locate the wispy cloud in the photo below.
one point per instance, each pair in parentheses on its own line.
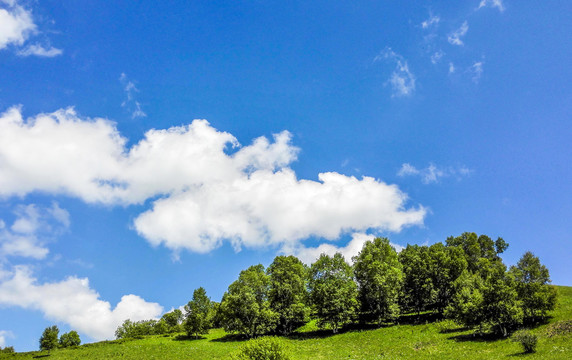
(39,50)
(3,335)
(455,37)
(432,21)
(436,57)
(433,173)
(492,3)
(451,68)
(130,103)
(476,70)
(402,79)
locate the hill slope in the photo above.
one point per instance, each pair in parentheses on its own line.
(433,340)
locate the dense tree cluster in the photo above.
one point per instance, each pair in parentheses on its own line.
(464,279)
(49,339)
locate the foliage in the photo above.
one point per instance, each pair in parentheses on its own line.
(70,339)
(49,338)
(333,291)
(486,299)
(130,329)
(245,306)
(7,350)
(418,289)
(379,277)
(476,248)
(198,313)
(288,295)
(532,285)
(446,265)
(173,320)
(265,348)
(528,340)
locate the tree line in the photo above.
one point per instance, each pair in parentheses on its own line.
(464,280)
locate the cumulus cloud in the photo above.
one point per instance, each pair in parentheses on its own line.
(207,194)
(72,301)
(16,24)
(39,50)
(130,103)
(30,230)
(402,79)
(455,37)
(432,173)
(308,255)
(492,3)
(3,335)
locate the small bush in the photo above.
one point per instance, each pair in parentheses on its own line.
(527,339)
(266,348)
(7,350)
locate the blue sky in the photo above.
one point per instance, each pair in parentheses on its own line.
(147,149)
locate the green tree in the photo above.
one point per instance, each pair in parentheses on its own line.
(288,294)
(70,339)
(533,286)
(379,277)
(49,338)
(476,247)
(173,320)
(7,350)
(487,299)
(333,292)
(418,290)
(446,265)
(245,307)
(198,313)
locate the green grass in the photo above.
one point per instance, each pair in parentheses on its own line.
(433,340)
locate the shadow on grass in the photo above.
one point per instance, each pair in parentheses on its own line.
(41,356)
(423,318)
(231,338)
(476,337)
(519,354)
(182,337)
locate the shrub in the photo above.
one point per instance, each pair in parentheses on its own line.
(266,348)
(527,339)
(7,350)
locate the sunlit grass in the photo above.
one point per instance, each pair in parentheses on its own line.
(431,340)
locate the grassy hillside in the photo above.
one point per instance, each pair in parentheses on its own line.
(431,340)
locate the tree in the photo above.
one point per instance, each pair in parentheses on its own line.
(198,313)
(288,295)
(533,286)
(379,277)
(446,265)
(245,306)
(418,290)
(333,292)
(478,247)
(173,320)
(70,339)
(49,339)
(7,350)
(487,299)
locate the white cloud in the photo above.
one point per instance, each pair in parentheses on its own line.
(476,70)
(250,197)
(39,50)
(433,20)
(16,24)
(308,255)
(402,79)
(455,37)
(130,103)
(436,57)
(432,173)
(492,3)
(451,68)
(72,301)
(27,235)
(3,335)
